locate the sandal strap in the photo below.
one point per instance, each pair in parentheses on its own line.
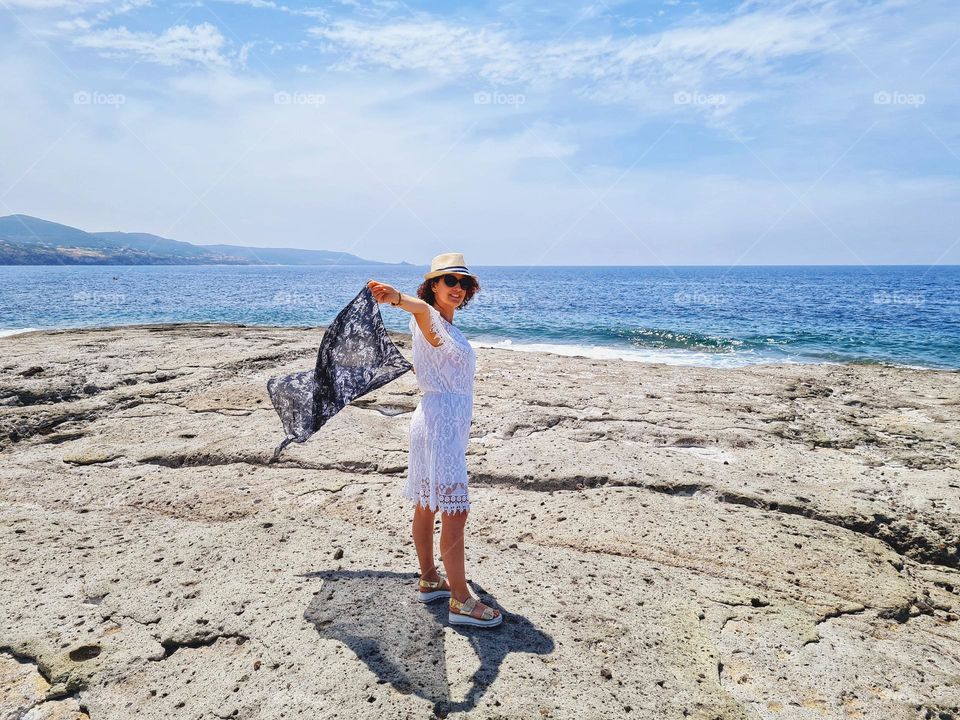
(432,584)
(469,607)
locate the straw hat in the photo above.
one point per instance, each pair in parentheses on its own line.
(448,263)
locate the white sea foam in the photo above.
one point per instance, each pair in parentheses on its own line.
(691,358)
(6,332)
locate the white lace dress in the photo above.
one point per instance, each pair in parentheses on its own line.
(440,426)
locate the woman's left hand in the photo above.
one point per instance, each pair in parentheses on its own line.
(382,292)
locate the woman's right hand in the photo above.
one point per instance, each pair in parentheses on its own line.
(382,292)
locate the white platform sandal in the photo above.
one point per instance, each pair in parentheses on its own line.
(431,590)
(469,612)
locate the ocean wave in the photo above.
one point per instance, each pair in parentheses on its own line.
(667,356)
(7,332)
(664,339)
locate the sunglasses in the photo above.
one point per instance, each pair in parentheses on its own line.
(466,282)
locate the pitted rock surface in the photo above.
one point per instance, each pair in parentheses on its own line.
(665,542)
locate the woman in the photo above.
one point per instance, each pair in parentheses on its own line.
(444,364)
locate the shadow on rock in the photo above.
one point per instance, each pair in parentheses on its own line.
(376,615)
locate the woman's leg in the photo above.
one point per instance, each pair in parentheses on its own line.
(423,521)
(451,551)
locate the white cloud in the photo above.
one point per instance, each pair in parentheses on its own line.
(394,166)
(316,13)
(53,4)
(644,69)
(435,46)
(734,46)
(84,14)
(254,3)
(201,44)
(220,87)
(744,46)
(68,27)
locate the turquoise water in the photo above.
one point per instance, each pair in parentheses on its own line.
(906,315)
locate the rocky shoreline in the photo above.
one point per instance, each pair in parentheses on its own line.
(778,541)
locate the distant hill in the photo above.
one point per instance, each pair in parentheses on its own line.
(26,240)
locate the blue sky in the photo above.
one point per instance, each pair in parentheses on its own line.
(611,132)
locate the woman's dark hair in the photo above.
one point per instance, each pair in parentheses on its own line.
(425,291)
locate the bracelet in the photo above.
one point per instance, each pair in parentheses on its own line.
(399,299)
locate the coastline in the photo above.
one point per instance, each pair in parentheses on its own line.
(761,541)
(678,357)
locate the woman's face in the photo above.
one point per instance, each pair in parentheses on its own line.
(449,297)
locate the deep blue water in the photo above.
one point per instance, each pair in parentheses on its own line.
(699,315)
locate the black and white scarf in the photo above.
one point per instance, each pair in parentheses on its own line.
(356,357)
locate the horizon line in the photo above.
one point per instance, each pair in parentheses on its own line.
(382,264)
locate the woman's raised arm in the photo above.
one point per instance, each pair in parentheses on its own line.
(384,293)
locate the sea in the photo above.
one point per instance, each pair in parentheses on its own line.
(689,315)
